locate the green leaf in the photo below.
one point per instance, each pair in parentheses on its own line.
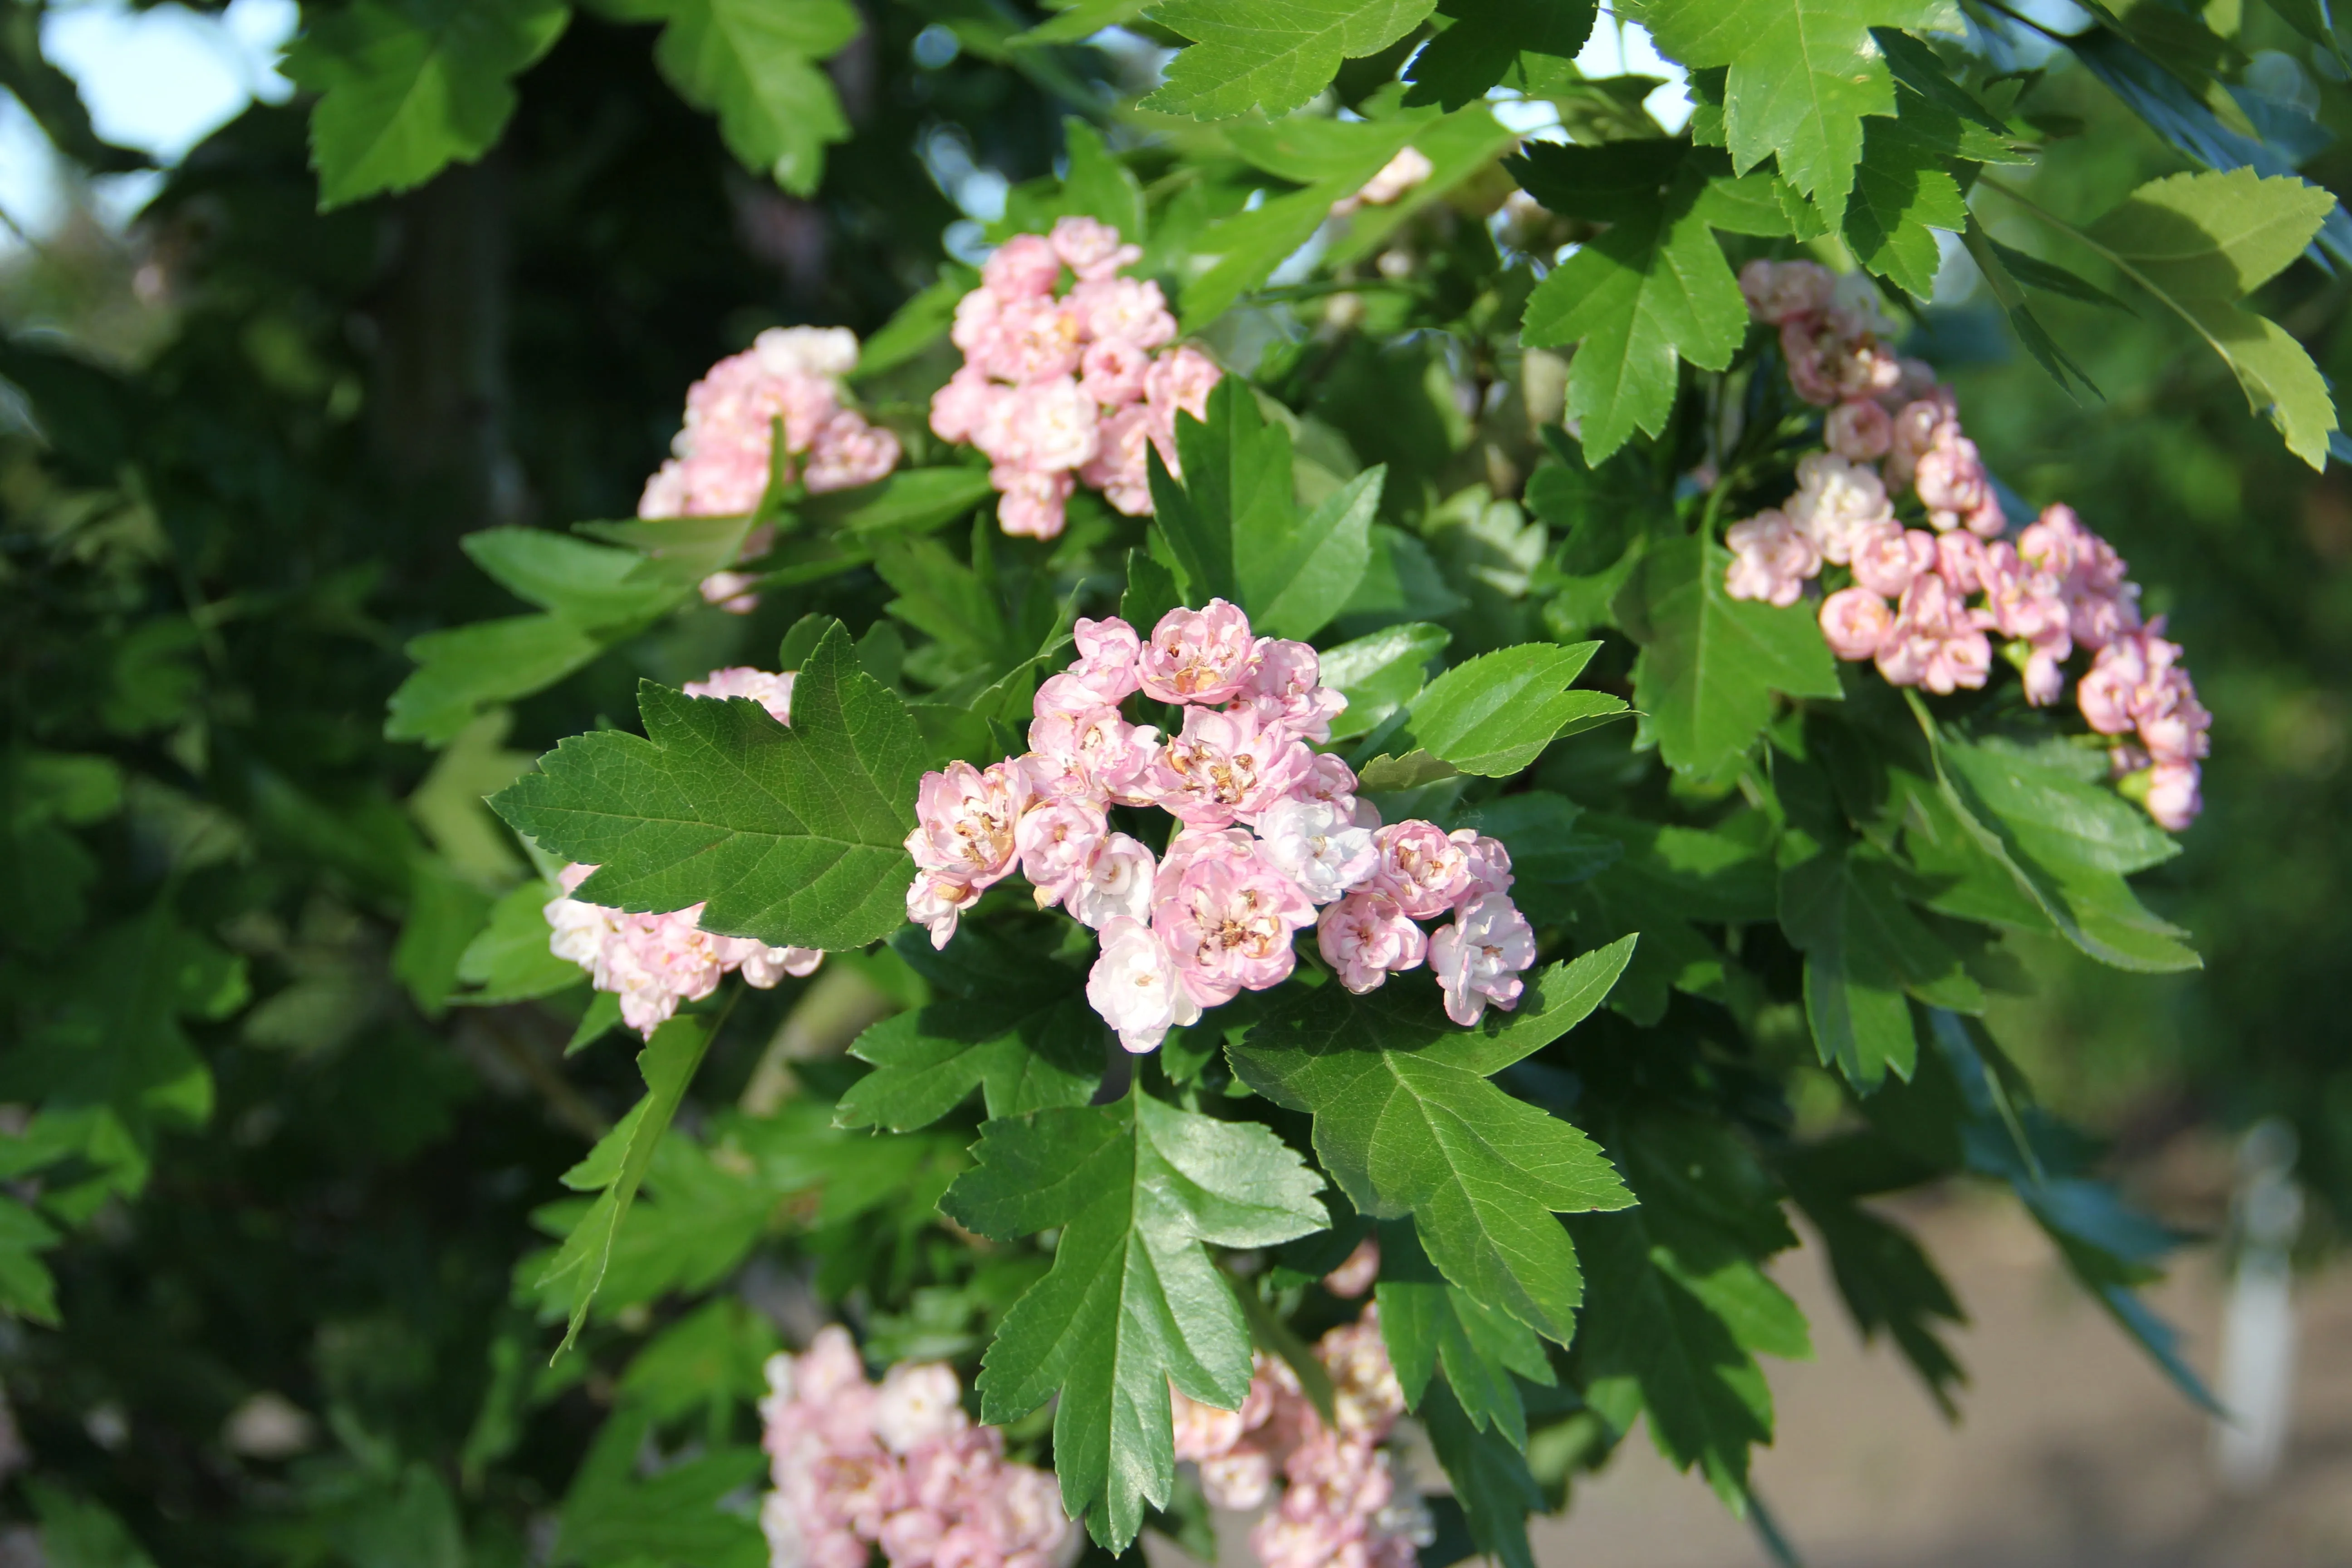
(1236,485)
(407,88)
(1651,290)
(1864,951)
(1903,192)
(1889,1283)
(1017,1028)
(1380,673)
(1080,22)
(1710,662)
(1494,715)
(793,836)
(1427,1322)
(616,1517)
(1667,877)
(1406,1123)
(27,1289)
(617,1165)
(588,584)
(79,1534)
(911,500)
(1996,262)
(1487,37)
(1803,73)
(1132,1302)
(1295,579)
(509,960)
(1151,593)
(712,1355)
(1491,1480)
(758,66)
(1269,56)
(1098,186)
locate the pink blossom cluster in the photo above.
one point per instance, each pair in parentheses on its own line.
(1068,385)
(723,456)
(654,961)
(1346,1501)
(898,1465)
(1269,833)
(1927,605)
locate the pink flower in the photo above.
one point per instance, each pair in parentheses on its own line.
(1108,651)
(1771,558)
(1046,424)
(2173,796)
(1919,425)
(1859,431)
(1855,622)
(1031,502)
(2106,694)
(965,403)
(1488,862)
(848,452)
(1124,311)
(1286,688)
(1886,556)
(910,1536)
(1202,1431)
(965,819)
(1808,351)
(773,692)
(1118,882)
(1478,958)
(1111,371)
(1316,845)
(1030,341)
(1422,868)
(1366,937)
(1355,1271)
(936,903)
(1960,557)
(1835,502)
(1777,292)
(1025,267)
(1179,379)
(1225,767)
(916,1402)
(1137,986)
(1239,1479)
(1953,484)
(1058,842)
(1120,467)
(1934,641)
(1331,780)
(1226,917)
(1198,656)
(1092,754)
(727,590)
(763,967)
(1090,248)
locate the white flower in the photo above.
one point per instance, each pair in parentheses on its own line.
(917,1401)
(827,351)
(1118,882)
(1317,845)
(1135,988)
(1836,502)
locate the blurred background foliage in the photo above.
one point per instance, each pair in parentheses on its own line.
(263,431)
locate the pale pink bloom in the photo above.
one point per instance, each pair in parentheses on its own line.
(968,1546)
(975,318)
(1111,371)
(1951,480)
(1092,754)
(1771,558)
(1480,958)
(1864,370)
(1286,687)
(1226,917)
(1030,339)
(828,353)
(1198,656)
(1120,467)
(1859,431)
(1960,557)
(1835,501)
(1202,1431)
(2105,695)
(728,590)
(1855,622)
(1918,380)
(1422,868)
(917,1401)
(1857,310)
(1935,641)
(1029,1517)
(1356,1274)
(945,1473)
(1031,502)
(773,692)
(1777,292)
(966,403)
(1047,424)
(654,962)
(1886,556)
(1024,266)
(1919,426)
(2045,677)
(1366,938)
(2102,603)
(1180,378)
(1239,1479)
(1108,651)
(1488,861)
(910,1536)
(1330,779)
(2173,724)
(936,903)
(1317,845)
(1367,1398)
(848,452)
(764,966)
(1225,765)
(1137,985)
(2174,799)
(1127,310)
(1090,247)
(1065,696)
(1058,842)
(2022,602)
(1807,349)
(1118,882)
(965,819)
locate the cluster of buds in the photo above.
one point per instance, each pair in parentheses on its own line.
(897,1466)
(1268,833)
(654,962)
(1926,605)
(1346,1501)
(724,456)
(1063,385)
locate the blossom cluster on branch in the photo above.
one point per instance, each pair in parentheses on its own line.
(1925,604)
(1066,385)
(857,1466)
(654,962)
(724,456)
(1345,1499)
(1269,832)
